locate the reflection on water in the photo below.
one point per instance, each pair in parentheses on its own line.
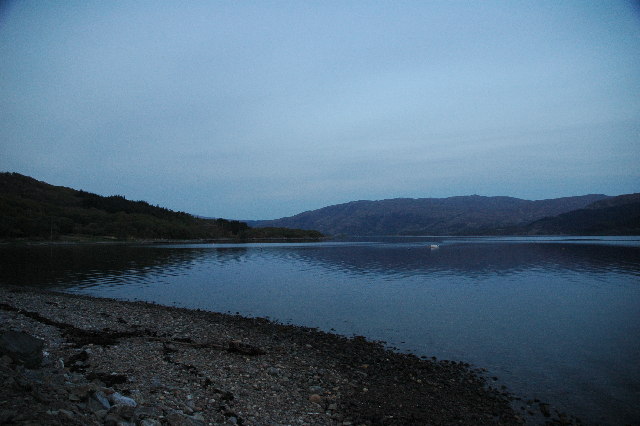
(69,265)
(554,318)
(74,264)
(473,260)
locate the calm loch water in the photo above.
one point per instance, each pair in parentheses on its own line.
(554,318)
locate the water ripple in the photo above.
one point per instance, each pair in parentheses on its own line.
(546,315)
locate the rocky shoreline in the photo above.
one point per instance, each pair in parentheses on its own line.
(109,362)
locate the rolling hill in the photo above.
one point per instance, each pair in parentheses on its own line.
(31,209)
(611,216)
(466,215)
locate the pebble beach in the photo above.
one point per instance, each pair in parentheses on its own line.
(95,361)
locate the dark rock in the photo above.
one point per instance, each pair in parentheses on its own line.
(156,383)
(67,413)
(5,360)
(244,348)
(544,409)
(141,413)
(98,401)
(124,411)
(111,420)
(149,422)
(316,389)
(81,356)
(101,414)
(108,379)
(7,416)
(177,419)
(22,348)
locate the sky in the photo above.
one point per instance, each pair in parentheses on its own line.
(265,109)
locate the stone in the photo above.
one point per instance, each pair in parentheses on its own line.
(99,401)
(7,416)
(111,420)
(117,398)
(196,421)
(137,396)
(175,419)
(122,411)
(6,360)
(315,398)
(178,419)
(544,409)
(156,383)
(77,378)
(147,412)
(150,422)
(67,413)
(316,389)
(272,371)
(22,348)
(244,348)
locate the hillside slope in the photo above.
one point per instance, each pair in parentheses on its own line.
(31,209)
(432,216)
(612,216)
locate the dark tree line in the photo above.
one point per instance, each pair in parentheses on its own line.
(31,209)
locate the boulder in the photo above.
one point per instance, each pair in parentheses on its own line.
(22,348)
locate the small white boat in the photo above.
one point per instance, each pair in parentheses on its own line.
(434,246)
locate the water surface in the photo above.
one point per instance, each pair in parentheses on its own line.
(554,318)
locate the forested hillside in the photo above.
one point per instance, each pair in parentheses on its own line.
(30,209)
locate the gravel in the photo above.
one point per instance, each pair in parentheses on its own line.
(109,362)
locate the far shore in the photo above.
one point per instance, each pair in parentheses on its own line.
(108,240)
(182,366)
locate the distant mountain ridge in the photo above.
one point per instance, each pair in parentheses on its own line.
(31,209)
(461,215)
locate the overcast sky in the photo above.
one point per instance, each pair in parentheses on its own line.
(264,109)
